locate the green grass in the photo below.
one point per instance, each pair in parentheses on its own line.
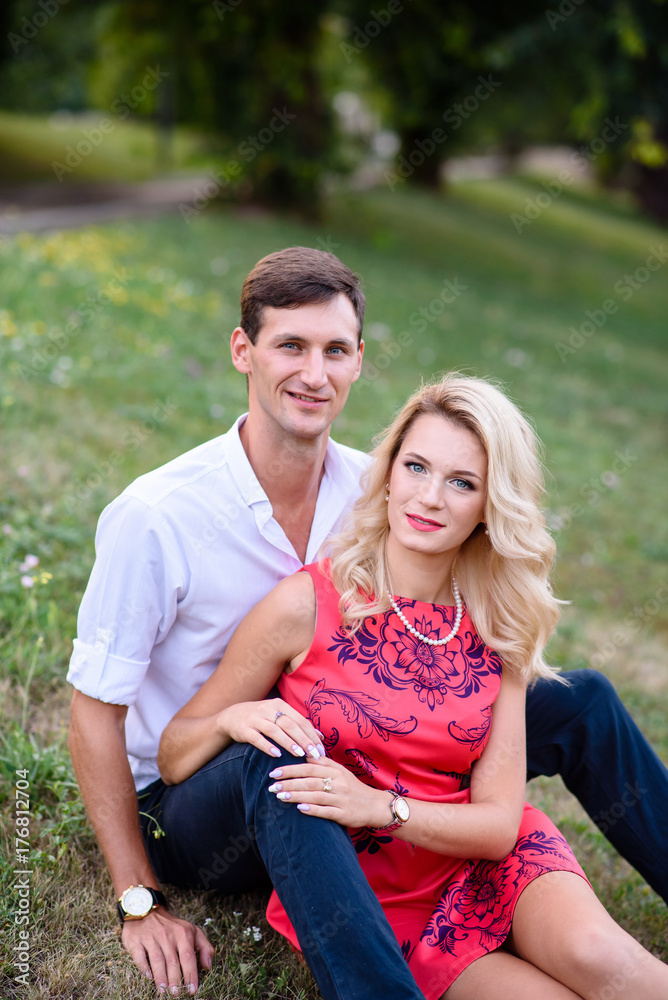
(127,150)
(146,374)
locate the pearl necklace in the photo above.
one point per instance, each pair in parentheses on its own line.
(423,638)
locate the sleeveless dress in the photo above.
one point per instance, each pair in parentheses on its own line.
(408,716)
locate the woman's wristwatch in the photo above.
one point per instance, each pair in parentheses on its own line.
(400,811)
(137,901)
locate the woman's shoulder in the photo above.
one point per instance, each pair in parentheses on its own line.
(320,574)
(292,602)
(297,585)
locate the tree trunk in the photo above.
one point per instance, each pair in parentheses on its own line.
(420,158)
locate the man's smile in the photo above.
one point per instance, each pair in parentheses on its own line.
(303,397)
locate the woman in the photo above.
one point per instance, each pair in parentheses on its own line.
(410,650)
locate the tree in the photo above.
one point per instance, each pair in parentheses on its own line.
(245,71)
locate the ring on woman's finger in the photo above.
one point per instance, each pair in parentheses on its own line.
(327,784)
(278,715)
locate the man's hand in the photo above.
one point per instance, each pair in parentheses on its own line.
(165,949)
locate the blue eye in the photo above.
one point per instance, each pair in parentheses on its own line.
(463,482)
(415,467)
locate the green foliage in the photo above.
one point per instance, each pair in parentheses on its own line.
(260,80)
(44,59)
(274,124)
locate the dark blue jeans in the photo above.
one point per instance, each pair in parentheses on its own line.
(224,831)
(585,734)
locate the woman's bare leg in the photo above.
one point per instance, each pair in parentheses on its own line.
(503,976)
(561,927)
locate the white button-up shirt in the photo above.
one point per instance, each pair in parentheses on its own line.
(182,555)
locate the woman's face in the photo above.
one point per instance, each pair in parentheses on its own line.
(438,486)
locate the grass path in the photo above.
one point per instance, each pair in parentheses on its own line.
(114,358)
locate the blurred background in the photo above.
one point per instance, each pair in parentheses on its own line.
(196,85)
(497,175)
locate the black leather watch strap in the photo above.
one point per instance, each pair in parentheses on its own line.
(157,896)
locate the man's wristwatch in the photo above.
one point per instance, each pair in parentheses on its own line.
(137,901)
(400,811)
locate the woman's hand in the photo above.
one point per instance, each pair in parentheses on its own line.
(260,722)
(327,789)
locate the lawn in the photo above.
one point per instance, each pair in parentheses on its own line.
(114,358)
(84,150)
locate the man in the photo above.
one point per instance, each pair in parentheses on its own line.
(182,555)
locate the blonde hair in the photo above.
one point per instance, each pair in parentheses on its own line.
(503,576)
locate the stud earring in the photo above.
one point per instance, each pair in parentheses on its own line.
(387,492)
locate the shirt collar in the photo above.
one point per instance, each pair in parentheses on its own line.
(240,468)
(343,478)
(338,477)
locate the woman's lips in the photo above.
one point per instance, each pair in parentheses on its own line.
(423,524)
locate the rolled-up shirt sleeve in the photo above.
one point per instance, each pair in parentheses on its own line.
(130,602)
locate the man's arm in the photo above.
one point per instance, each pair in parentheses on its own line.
(227,707)
(162,946)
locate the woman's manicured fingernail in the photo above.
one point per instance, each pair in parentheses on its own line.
(297,751)
(283,795)
(276,752)
(276,773)
(276,787)
(323,752)
(312,750)
(303,807)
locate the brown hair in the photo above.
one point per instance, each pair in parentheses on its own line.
(295,277)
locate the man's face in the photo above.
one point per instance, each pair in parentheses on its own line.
(302,366)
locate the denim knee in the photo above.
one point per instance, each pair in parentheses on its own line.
(599,708)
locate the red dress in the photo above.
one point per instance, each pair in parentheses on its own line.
(405,715)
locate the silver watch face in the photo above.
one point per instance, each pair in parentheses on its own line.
(401,809)
(137,901)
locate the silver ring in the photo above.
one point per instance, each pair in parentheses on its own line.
(278,715)
(327,784)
